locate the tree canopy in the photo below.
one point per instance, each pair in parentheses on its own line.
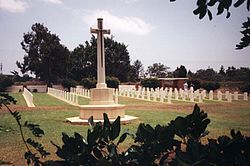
(45,56)
(117,60)
(180,72)
(157,70)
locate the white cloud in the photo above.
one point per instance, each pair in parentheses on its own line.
(53,1)
(125,24)
(13,6)
(130,1)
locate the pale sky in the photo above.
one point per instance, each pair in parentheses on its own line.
(154,30)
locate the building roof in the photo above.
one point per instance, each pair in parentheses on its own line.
(172,79)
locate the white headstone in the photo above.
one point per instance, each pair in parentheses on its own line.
(245,96)
(236,96)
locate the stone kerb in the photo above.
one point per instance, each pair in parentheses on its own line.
(28,96)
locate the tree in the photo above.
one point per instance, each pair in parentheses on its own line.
(222,71)
(83,60)
(204,6)
(180,72)
(158,70)
(207,75)
(137,71)
(46,57)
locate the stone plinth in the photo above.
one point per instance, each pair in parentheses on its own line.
(101,96)
(113,111)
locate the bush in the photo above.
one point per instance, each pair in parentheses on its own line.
(175,144)
(195,83)
(88,83)
(112,82)
(5,82)
(67,83)
(210,85)
(150,83)
(245,88)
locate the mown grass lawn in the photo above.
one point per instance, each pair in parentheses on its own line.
(224,117)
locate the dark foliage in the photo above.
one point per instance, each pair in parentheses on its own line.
(210,85)
(67,83)
(112,82)
(88,83)
(5,82)
(175,144)
(196,84)
(150,83)
(245,88)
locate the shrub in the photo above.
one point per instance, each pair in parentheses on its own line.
(67,83)
(245,88)
(88,83)
(177,143)
(5,82)
(150,83)
(112,82)
(210,85)
(195,83)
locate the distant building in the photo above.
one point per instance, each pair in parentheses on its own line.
(173,82)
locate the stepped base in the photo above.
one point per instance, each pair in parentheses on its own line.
(113,111)
(77,121)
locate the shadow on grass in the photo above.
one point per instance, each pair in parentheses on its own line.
(5,162)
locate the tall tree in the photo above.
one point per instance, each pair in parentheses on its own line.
(46,57)
(137,71)
(204,8)
(180,72)
(117,60)
(157,70)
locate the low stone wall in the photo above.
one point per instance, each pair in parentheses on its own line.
(15,88)
(28,97)
(37,88)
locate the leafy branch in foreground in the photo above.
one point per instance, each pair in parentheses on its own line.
(154,146)
(177,143)
(31,157)
(204,8)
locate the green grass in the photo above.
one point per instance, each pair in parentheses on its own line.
(224,117)
(83,100)
(19,98)
(43,99)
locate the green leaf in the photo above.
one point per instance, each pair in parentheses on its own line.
(91,121)
(220,8)
(209,14)
(115,129)
(248,5)
(106,123)
(122,138)
(34,128)
(238,3)
(97,153)
(212,2)
(197,11)
(228,14)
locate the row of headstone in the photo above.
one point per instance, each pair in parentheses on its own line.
(183,95)
(68,97)
(80,91)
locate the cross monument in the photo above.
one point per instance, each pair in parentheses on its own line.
(101,80)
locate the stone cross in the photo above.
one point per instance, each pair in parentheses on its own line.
(101,82)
